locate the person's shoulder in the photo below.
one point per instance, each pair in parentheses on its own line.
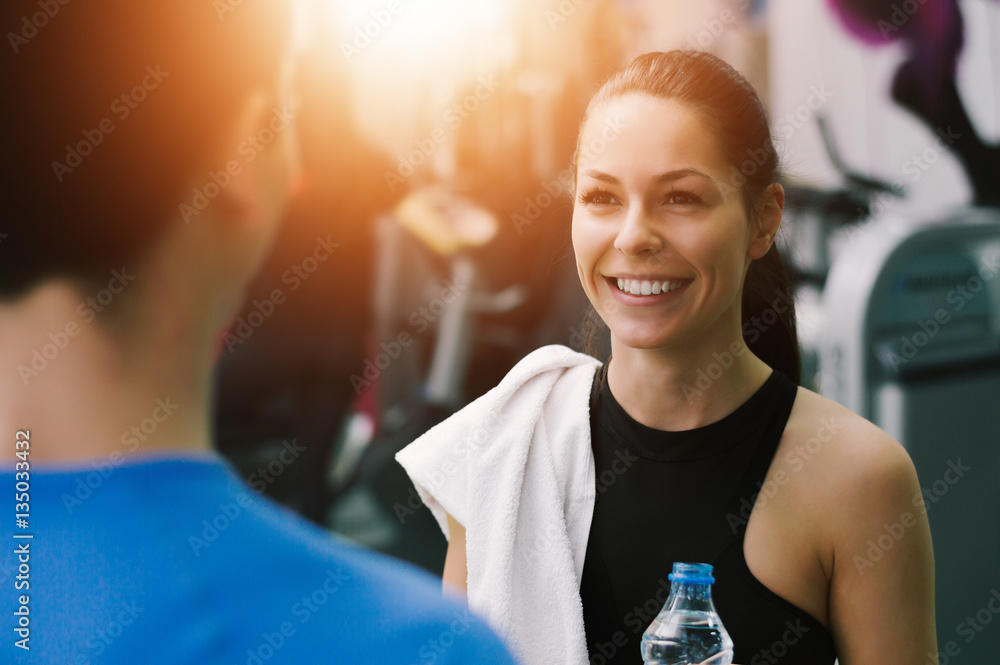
(369,607)
(397,611)
(845,459)
(816,421)
(858,487)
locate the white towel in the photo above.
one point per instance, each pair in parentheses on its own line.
(515,468)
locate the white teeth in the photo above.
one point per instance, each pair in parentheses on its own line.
(645,288)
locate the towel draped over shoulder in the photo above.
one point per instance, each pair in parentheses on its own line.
(515,468)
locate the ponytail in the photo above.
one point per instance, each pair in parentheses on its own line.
(768,315)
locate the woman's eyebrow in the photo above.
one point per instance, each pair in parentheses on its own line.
(677,174)
(601,175)
(668,176)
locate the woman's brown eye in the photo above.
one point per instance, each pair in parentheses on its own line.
(598,198)
(682,198)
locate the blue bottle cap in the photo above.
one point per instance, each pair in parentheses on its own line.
(691,573)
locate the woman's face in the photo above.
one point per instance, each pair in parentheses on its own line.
(661,234)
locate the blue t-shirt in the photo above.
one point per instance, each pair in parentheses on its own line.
(176,560)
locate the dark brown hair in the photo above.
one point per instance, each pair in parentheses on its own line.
(732,109)
(97,154)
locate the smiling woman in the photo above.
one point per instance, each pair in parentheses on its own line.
(673,231)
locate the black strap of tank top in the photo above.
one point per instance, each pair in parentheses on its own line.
(770,437)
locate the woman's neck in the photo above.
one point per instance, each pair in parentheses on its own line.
(686,387)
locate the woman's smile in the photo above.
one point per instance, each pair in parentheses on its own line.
(645,292)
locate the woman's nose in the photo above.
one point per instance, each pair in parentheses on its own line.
(638,233)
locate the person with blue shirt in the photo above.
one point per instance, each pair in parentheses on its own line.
(148,150)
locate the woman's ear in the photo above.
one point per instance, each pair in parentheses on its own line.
(772,203)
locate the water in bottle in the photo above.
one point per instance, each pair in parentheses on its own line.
(688,631)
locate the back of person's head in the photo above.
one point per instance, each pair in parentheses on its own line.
(733,111)
(111,108)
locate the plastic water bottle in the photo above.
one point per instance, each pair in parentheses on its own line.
(688,631)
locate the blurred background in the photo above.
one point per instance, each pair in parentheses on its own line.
(437,138)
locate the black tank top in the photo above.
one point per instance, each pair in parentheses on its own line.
(685,496)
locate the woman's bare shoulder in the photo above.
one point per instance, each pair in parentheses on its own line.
(845,464)
(816,421)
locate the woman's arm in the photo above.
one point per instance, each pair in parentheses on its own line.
(882,589)
(456,572)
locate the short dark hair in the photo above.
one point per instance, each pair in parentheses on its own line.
(109,107)
(735,113)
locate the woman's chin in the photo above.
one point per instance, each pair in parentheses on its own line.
(643,337)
